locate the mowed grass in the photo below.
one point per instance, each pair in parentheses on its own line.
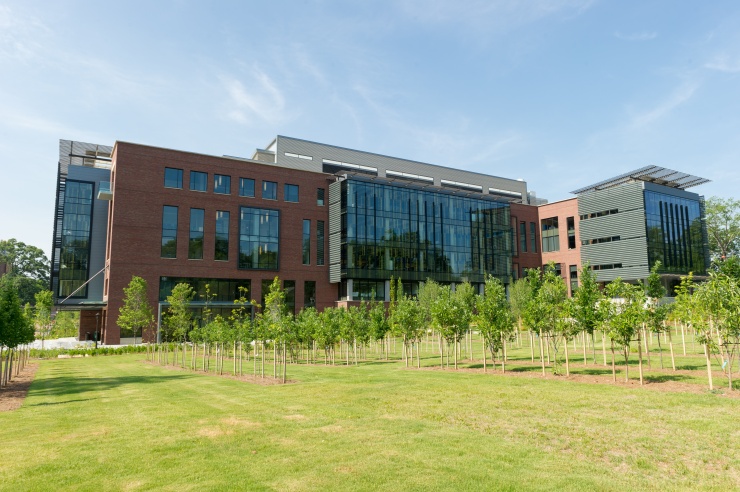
(117,423)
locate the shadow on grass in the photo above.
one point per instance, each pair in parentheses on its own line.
(61,386)
(595,372)
(45,404)
(662,378)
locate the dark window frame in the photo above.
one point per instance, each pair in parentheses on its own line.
(178,178)
(196,174)
(218,187)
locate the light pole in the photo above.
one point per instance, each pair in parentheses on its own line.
(97,328)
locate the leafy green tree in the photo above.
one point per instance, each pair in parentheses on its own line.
(409,319)
(277,320)
(29,269)
(520,293)
(494,318)
(656,314)
(585,307)
(723,226)
(327,334)
(136,312)
(378,324)
(452,313)
(42,314)
(551,299)
(179,318)
(66,324)
(15,328)
(624,314)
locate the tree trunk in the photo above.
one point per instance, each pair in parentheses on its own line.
(683,339)
(455,349)
(567,363)
(647,347)
(485,357)
(585,359)
(614,367)
(709,366)
(603,345)
(625,352)
(542,354)
(660,351)
(639,358)
(504,349)
(531,345)
(670,344)
(285,364)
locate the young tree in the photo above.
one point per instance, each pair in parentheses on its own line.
(534,313)
(551,297)
(585,307)
(42,314)
(520,293)
(723,226)
(15,328)
(29,268)
(494,319)
(656,313)
(179,319)
(136,312)
(277,320)
(624,313)
(452,314)
(379,325)
(409,320)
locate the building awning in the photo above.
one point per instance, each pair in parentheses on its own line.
(652,174)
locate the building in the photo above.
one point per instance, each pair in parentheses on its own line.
(334,224)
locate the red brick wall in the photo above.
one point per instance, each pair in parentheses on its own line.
(525,213)
(135,225)
(566,257)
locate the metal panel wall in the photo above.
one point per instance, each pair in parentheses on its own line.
(628,196)
(335,231)
(318,152)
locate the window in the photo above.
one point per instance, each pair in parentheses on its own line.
(222,184)
(573,279)
(290,193)
(320,242)
(266,284)
(76,229)
(195,244)
(246,187)
(306,242)
(269,190)
(258,238)
(289,290)
(512,231)
(172,178)
(571,222)
(320,197)
(309,293)
(198,181)
(550,235)
(523,237)
(222,236)
(169,232)
(533,236)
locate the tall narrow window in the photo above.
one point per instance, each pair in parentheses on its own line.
(222,184)
(172,178)
(76,229)
(309,293)
(198,181)
(259,234)
(523,237)
(573,279)
(290,193)
(306,242)
(222,236)
(195,244)
(533,236)
(571,221)
(550,235)
(169,232)
(269,190)
(246,187)
(320,197)
(320,242)
(289,290)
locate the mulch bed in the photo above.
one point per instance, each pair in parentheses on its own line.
(12,396)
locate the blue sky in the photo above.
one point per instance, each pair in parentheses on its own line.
(561,93)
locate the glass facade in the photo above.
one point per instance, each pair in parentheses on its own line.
(533,236)
(309,293)
(195,243)
(290,193)
(198,181)
(222,236)
(169,232)
(523,237)
(674,233)
(246,187)
(222,290)
(259,231)
(390,230)
(306,242)
(172,178)
(76,229)
(222,184)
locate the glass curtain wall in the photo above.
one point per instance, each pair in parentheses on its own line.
(674,233)
(76,229)
(417,233)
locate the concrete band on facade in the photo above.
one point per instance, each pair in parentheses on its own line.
(334,224)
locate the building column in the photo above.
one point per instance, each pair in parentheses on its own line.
(349,289)
(387,291)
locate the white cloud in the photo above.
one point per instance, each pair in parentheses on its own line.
(20,36)
(679,96)
(636,36)
(724,63)
(259,98)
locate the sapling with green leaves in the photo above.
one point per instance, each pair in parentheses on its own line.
(585,307)
(494,319)
(136,313)
(42,314)
(624,313)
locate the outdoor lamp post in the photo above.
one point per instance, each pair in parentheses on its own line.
(97,328)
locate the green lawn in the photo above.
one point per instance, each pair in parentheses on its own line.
(116,423)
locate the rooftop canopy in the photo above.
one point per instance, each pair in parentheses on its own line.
(653,174)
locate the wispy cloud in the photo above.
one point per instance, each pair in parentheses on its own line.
(20,35)
(724,63)
(679,96)
(259,98)
(498,15)
(636,36)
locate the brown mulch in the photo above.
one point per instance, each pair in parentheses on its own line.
(247,378)
(12,396)
(634,381)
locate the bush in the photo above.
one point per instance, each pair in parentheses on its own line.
(54,353)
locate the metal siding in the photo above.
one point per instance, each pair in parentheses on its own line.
(335,231)
(319,152)
(628,196)
(624,224)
